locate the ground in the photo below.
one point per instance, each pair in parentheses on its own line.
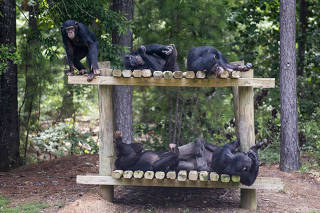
(54,182)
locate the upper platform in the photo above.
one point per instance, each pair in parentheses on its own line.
(169,79)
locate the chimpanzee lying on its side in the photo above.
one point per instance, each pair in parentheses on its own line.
(155,57)
(211,61)
(131,157)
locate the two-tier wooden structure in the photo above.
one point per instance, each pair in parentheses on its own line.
(244,114)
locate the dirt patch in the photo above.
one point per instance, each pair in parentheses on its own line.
(54,182)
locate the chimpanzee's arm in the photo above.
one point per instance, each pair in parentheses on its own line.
(161,50)
(93,55)
(69,51)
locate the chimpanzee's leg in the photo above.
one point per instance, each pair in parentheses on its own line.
(168,161)
(161,50)
(147,59)
(79,53)
(232,146)
(171,60)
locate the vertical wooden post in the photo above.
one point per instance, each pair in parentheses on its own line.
(246,134)
(106,150)
(235,92)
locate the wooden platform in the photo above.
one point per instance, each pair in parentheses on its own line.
(260,183)
(181,82)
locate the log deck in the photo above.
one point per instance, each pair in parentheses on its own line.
(242,85)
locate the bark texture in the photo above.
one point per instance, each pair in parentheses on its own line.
(290,153)
(122,95)
(9,131)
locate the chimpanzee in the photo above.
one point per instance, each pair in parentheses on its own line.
(131,157)
(226,160)
(80,42)
(211,61)
(155,57)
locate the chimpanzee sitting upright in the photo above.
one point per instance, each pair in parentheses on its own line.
(131,157)
(80,42)
(155,57)
(211,61)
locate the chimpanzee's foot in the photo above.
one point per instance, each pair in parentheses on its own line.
(249,65)
(168,50)
(96,72)
(90,76)
(82,72)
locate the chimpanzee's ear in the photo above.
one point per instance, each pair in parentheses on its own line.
(214,57)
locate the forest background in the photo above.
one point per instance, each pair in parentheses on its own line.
(56,119)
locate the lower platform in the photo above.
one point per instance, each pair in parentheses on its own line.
(260,183)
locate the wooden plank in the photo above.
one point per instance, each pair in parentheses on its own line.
(157,74)
(160,175)
(267,183)
(189,74)
(116,73)
(201,74)
(204,176)
(178,74)
(235,178)
(146,73)
(126,73)
(214,82)
(171,175)
(214,176)
(137,73)
(167,74)
(193,175)
(182,175)
(127,174)
(149,175)
(138,174)
(117,174)
(225,178)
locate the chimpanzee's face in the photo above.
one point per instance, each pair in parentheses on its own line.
(71,32)
(132,61)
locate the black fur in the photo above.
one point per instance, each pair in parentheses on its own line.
(155,57)
(211,60)
(85,44)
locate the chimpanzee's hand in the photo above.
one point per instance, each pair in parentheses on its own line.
(90,76)
(82,72)
(167,50)
(71,71)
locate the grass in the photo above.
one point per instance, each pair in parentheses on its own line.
(32,207)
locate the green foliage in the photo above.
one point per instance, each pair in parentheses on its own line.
(63,139)
(32,207)
(8,53)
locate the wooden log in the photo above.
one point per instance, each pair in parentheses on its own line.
(157,74)
(138,174)
(203,176)
(235,74)
(127,174)
(214,176)
(116,73)
(224,74)
(167,75)
(182,175)
(106,71)
(117,174)
(235,178)
(105,139)
(104,64)
(160,175)
(189,74)
(126,73)
(178,74)
(201,74)
(146,73)
(137,73)
(171,175)
(225,178)
(193,175)
(149,175)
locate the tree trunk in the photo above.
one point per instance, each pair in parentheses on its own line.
(303,36)
(9,126)
(122,95)
(290,153)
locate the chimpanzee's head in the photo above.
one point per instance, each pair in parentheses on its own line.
(133,61)
(70,29)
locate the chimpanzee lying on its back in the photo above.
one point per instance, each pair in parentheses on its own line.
(155,57)
(211,61)
(202,156)
(131,157)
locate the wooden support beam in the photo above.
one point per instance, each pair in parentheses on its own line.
(246,135)
(105,140)
(175,82)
